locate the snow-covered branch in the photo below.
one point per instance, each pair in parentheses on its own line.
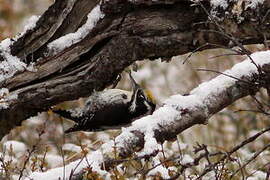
(78,46)
(177,114)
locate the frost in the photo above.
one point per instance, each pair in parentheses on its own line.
(65,41)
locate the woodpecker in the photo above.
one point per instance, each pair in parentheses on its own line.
(110,109)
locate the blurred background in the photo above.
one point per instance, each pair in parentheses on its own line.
(40,141)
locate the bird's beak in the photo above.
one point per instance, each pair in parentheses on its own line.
(135,85)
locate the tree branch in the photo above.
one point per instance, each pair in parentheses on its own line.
(129,31)
(179,113)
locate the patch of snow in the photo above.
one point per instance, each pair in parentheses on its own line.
(163,171)
(176,147)
(209,175)
(5,98)
(11,64)
(53,160)
(65,41)
(219,3)
(30,24)
(208,90)
(16,147)
(15,177)
(150,145)
(245,154)
(71,147)
(258,175)
(253,4)
(187,159)
(103,136)
(141,74)
(3,92)
(163,117)
(95,159)
(179,101)
(36,120)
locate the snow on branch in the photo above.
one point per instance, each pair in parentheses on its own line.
(66,41)
(10,64)
(83,45)
(177,114)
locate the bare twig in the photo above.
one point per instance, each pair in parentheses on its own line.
(218,72)
(251,159)
(236,148)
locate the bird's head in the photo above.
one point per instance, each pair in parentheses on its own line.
(141,100)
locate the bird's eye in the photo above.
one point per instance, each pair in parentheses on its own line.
(141,95)
(124,96)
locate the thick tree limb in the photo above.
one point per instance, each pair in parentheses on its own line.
(177,114)
(128,32)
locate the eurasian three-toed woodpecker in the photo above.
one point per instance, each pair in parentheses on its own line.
(110,109)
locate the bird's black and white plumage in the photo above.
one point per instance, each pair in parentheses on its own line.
(110,109)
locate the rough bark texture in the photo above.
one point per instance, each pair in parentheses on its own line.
(211,101)
(128,32)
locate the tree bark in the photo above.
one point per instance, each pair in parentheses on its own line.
(130,31)
(176,115)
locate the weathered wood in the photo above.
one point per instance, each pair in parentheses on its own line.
(128,32)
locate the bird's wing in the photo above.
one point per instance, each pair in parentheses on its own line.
(105,99)
(81,124)
(74,115)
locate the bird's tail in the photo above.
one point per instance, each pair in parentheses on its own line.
(67,115)
(72,129)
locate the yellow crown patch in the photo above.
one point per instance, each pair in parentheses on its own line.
(150,96)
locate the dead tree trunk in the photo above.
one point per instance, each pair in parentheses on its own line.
(127,32)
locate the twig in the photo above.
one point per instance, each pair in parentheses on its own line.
(251,159)
(251,110)
(221,55)
(236,148)
(209,70)
(26,161)
(221,29)
(41,132)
